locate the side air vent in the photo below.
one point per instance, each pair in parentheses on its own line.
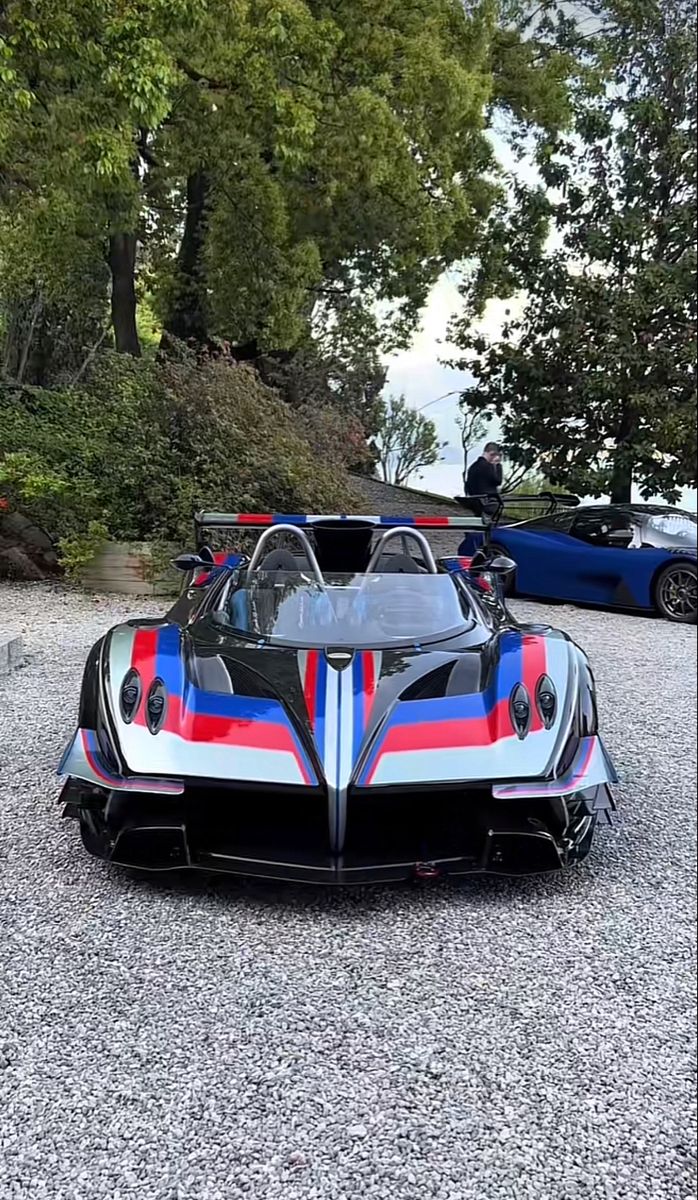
(130,696)
(546,701)
(156,706)
(431,686)
(520,708)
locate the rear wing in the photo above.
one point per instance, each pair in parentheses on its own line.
(250,521)
(509,507)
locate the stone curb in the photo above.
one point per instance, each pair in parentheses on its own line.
(11,653)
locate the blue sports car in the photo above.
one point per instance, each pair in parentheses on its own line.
(632,556)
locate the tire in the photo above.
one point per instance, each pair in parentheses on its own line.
(676,593)
(508,584)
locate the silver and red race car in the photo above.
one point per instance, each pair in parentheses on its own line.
(343,708)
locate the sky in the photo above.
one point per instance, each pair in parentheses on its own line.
(417,373)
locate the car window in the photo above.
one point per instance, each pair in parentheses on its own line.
(603,529)
(376,610)
(670,531)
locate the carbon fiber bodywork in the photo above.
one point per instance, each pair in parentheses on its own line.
(197,748)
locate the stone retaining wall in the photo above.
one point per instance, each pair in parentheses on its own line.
(384,499)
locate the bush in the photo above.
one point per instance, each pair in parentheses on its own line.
(142,444)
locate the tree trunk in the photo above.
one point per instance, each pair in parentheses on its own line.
(122,263)
(188,317)
(621,484)
(622,475)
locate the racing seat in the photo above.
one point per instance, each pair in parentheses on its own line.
(271,579)
(279,562)
(399,564)
(283,602)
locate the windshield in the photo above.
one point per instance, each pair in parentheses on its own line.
(354,610)
(669,532)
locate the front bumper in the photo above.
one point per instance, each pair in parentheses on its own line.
(391,837)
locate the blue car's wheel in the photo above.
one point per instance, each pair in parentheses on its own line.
(676,594)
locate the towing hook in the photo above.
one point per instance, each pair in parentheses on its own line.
(427,871)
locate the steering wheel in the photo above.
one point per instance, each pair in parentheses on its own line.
(301,537)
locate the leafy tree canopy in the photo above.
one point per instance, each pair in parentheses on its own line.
(276,160)
(595,383)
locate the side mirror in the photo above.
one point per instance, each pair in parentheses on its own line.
(501,566)
(192,562)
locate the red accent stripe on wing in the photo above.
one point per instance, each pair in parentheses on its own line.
(143,659)
(370,683)
(534,665)
(92,760)
(255,735)
(477,732)
(432,522)
(144,652)
(255,518)
(310,684)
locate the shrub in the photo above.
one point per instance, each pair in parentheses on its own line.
(142,444)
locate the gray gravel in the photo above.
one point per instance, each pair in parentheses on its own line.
(487,1040)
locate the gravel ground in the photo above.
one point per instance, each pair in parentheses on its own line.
(217,1041)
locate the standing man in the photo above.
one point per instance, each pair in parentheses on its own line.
(485,476)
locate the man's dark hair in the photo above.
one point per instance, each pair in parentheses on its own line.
(493,448)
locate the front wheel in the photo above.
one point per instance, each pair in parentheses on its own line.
(675,593)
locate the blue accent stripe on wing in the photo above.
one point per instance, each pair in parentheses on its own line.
(237,708)
(168,660)
(321,705)
(359,701)
(477,704)
(66,754)
(338,756)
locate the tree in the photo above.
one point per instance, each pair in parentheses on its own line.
(81,85)
(595,383)
(335,385)
(406,443)
(268,166)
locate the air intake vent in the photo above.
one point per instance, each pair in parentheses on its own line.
(156,706)
(130,696)
(431,686)
(546,701)
(520,708)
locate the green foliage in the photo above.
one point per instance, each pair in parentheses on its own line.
(596,383)
(340,143)
(407,441)
(142,444)
(334,382)
(76,550)
(149,328)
